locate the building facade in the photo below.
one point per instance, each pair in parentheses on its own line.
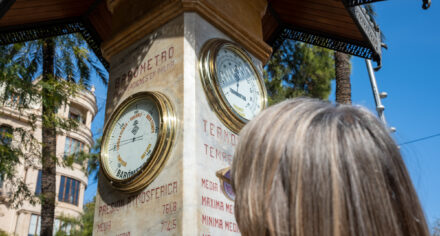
(71,182)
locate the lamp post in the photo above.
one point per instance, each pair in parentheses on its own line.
(377,96)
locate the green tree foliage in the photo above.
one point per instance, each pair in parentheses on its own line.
(87,217)
(13,154)
(436,228)
(65,67)
(82,226)
(91,159)
(298,69)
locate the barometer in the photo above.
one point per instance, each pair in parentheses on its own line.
(137,141)
(234,88)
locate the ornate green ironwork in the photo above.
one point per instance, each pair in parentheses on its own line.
(370,49)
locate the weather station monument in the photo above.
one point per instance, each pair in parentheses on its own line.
(185,77)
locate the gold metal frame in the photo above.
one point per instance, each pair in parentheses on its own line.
(229,117)
(160,154)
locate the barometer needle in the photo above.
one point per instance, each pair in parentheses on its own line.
(129,140)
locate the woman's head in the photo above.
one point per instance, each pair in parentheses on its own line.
(307,167)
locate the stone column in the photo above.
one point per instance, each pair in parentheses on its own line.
(158,51)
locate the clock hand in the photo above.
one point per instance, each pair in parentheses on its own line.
(131,141)
(126,141)
(237,76)
(236,93)
(134,138)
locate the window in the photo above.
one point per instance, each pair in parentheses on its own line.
(14,98)
(69,190)
(34,226)
(77,113)
(38,187)
(73,147)
(5,134)
(61,226)
(58,225)
(76,117)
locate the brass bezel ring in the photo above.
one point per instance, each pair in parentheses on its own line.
(207,67)
(161,152)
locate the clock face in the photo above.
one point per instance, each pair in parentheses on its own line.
(238,83)
(132,139)
(232,84)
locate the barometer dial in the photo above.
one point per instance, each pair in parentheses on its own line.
(137,140)
(133,139)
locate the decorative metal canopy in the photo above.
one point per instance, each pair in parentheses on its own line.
(78,22)
(54,28)
(370,30)
(339,25)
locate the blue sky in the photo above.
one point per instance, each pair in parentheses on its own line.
(411,78)
(410,75)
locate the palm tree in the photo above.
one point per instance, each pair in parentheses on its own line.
(67,57)
(342,76)
(343,69)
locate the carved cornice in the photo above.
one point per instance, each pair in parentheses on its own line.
(254,45)
(138,29)
(171,9)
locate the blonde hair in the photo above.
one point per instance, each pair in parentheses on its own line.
(307,167)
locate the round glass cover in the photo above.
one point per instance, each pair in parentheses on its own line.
(132,139)
(238,82)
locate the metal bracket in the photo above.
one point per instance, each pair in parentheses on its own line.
(426,4)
